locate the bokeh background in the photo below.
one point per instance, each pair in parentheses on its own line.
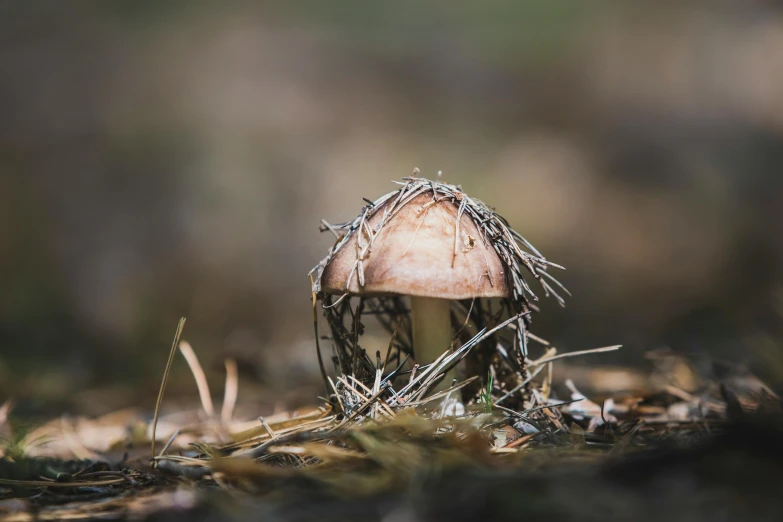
(160,159)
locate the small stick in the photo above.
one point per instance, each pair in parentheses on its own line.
(536,338)
(522,416)
(318,344)
(519,387)
(574,354)
(337,394)
(47,484)
(388,410)
(521,440)
(268,428)
(441,394)
(231,391)
(169,443)
(356,412)
(330,228)
(198,375)
(177,335)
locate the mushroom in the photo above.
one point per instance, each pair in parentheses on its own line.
(429,251)
(431,242)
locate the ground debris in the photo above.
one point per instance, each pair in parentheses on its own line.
(381,448)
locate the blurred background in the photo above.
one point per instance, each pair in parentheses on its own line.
(161,159)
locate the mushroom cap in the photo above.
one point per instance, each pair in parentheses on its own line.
(414,254)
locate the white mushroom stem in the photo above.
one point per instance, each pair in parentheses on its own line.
(432,333)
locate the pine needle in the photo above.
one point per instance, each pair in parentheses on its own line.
(575,354)
(177,335)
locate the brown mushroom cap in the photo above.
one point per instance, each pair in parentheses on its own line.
(414,254)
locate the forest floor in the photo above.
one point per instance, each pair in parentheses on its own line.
(682,446)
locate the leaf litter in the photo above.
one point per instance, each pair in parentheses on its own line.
(380,429)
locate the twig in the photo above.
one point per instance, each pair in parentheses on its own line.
(317,343)
(519,387)
(198,375)
(443,393)
(177,335)
(169,442)
(47,484)
(231,391)
(574,354)
(269,429)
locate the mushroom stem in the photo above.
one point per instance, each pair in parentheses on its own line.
(432,333)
